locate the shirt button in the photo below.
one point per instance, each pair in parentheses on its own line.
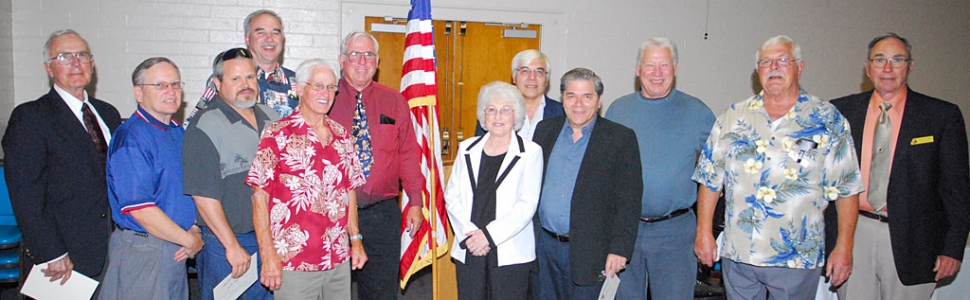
(769,158)
(104,216)
(772,138)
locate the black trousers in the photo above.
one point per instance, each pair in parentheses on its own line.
(480,278)
(380,225)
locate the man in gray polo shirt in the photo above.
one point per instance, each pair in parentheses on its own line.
(216,155)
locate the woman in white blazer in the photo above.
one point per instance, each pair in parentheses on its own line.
(491,197)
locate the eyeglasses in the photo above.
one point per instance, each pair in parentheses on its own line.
(67,58)
(356,55)
(319,87)
(233,54)
(161,86)
(782,62)
(504,111)
(525,71)
(897,61)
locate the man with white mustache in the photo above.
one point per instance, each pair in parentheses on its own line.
(671,127)
(780,157)
(277,85)
(217,153)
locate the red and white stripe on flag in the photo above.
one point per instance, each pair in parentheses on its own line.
(419,87)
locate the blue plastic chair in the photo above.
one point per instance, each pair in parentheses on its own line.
(10,236)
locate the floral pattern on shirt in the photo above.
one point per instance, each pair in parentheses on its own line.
(308,184)
(778,177)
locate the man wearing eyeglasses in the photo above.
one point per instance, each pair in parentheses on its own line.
(264,39)
(217,153)
(530,74)
(156,229)
(55,150)
(671,127)
(914,216)
(780,157)
(379,120)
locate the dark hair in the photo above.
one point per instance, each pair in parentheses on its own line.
(139,74)
(581,74)
(221,59)
(909,48)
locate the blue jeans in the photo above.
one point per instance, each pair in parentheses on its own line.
(555,276)
(213,266)
(664,250)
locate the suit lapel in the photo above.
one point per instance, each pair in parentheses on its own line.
(909,128)
(68,130)
(473,155)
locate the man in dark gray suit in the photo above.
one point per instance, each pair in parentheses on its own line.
(589,206)
(914,216)
(55,150)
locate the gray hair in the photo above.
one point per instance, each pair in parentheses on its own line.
(909,48)
(56,34)
(253,15)
(138,76)
(781,39)
(305,70)
(658,42)
(353,36)
(581,74)
(503,91)
(527,56)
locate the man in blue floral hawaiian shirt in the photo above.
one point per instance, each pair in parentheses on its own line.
(277,88)
(781,157)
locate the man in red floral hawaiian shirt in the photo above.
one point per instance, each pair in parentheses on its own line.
(304,203)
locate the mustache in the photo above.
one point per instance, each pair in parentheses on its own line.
(776,73)
(268,44)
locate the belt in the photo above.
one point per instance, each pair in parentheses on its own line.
(874,216)
(138,233)
(370,205)
(560,237)
(667,217)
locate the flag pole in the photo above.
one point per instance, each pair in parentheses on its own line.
(429,111)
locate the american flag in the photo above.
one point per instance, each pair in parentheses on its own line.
(419,87)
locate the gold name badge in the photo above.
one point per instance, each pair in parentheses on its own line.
(922,140)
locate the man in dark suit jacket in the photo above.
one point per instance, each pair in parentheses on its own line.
(56,165)
(530,74)
(926,217)
(589,206)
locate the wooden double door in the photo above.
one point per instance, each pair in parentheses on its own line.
(469,55)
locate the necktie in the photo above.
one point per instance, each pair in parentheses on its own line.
(361,135)
(882,154)
(91,124)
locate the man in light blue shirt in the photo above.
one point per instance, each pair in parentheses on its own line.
(588,204)
(671,128)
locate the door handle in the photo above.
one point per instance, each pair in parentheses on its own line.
(445,142)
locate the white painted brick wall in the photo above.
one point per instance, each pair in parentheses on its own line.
(601,35)
(123,33)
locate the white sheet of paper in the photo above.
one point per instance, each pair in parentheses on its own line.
(719,241)
(41,288)
(608,292)
(232,288)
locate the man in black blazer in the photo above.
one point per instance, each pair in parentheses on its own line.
(589,206)
(55,165)
(926,216)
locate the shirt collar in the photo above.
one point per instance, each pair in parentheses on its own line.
(72,102)
(897,101)
(231,114)
(585,130)
(144,115)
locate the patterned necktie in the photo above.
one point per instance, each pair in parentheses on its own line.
(882,154)
(361,135)
(91,124)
